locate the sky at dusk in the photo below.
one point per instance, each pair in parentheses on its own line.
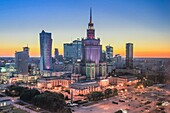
(146,23)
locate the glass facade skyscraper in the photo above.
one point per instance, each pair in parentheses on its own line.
(129,55)
(73,50)
(45,51)
(21,61)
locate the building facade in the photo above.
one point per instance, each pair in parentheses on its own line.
(129,55)
(109,53)
(73,50)
(84,88)
(52,82)
(45,51)
(91,54)
(21,61)
(118,61)
(56,53)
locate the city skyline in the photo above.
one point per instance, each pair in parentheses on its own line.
(143,23)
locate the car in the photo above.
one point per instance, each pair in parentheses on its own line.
(121,101)
(147,110)
(72,104)
(114,102)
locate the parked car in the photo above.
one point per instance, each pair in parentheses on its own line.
(114,102)
(121,101)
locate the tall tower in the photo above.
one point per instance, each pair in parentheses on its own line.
(56,53)
(90,30)
(45,51)
(91,52)
(109,53)
(129,55)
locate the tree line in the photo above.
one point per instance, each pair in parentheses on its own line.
(51,101)
(97,95)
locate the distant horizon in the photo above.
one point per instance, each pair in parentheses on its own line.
(122,57)
(145,23)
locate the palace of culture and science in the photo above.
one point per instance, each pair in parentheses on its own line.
(91,64)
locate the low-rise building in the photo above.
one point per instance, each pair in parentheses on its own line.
(85,87)
(5,102)
(103,82)
(50,82)
(123,80)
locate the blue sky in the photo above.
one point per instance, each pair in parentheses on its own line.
(146,23)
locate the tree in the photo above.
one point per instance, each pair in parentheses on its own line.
(108,92)
(95,95)
(54,102)
(66,98)
(147,83)
(115,91)
(28,94)
(14,90)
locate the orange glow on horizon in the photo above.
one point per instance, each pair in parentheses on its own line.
(35,52)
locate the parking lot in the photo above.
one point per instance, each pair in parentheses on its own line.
(136,101)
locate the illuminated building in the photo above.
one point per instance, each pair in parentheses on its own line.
(5,102)
(129,55)
(118,61)
(102,69)
(123,80)
(84,88)
(73,50)
(45,52)
(51,82)
(109,53)
(91,47)
(91,55)
(21,61)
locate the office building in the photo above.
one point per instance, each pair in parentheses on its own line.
(109,53)
(73,50)
(129,55)
(45,51)
(21,61)
(56,53)
(118,61)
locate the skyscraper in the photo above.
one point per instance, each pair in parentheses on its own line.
(56,53)
(22,60)
(118,61)
(45,51)
(91,47)
(109,53)
(73,50)
(129,55)
(91,53)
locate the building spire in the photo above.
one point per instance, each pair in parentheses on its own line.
(90,30)
(90,15)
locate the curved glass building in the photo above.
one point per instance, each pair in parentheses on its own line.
(45,51)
